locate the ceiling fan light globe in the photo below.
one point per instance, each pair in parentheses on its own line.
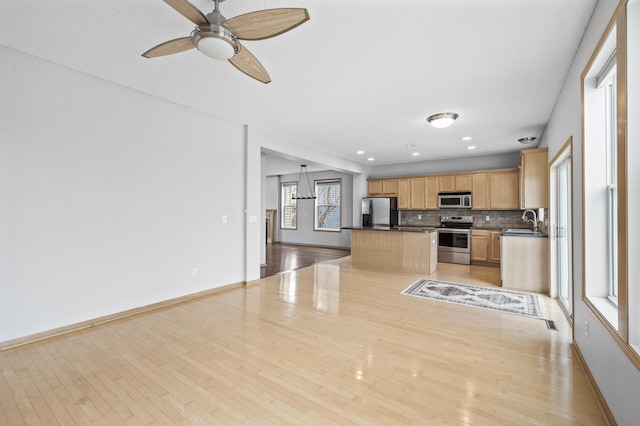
(216,48)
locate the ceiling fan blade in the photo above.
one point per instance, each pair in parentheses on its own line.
(266,23)
(248,64)
(188,10)
(170,47)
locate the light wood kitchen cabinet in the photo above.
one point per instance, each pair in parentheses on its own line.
(446,183)
(374,188)
(503,190)
(411,194)
(480,191)
(479,245)
(415,252)
(463,182)
(534,178)
(454,183)
(494,246)
(382,188)
(525,263)
(485,246)
(404,194)
(418,193)
(495,190)
(431,192)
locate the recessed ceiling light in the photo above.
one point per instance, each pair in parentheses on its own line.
(527,140)
(370,158)
(471,147)
(415,154)
(466,138)
(442,119)
(360,152)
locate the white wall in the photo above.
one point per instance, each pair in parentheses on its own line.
(617,378)
(108,198)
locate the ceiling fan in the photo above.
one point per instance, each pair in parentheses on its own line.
(218,37)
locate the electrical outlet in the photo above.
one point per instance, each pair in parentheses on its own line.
(419,216)
(586,328)
(224,218)
(487,218)
(194,272)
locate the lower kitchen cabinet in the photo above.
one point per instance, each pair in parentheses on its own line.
(494,244)
(485,246)
(525,263)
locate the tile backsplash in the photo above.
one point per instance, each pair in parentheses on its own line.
(498,219)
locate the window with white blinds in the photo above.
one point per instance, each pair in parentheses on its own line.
(288,205)
(327,205)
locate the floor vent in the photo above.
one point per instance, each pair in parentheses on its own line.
(551,325)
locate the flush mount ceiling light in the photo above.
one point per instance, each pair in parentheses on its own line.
(527,140)
(442,119)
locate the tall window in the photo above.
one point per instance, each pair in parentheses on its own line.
(288,205)
(327,205)
(609,77)
(600,189)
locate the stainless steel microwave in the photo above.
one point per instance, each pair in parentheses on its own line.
(460,200)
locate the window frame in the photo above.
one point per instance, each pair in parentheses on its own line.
(286,205)
(617,320)
(317,205)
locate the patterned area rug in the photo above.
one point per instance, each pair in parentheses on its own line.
(525,304)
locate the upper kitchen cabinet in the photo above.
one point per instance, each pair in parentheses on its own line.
(495,190)
(455,183)
(503,189)
(431,192)
(413,193)
(404,194)
(382,188)
(480,191)
(416,187)
(534,178)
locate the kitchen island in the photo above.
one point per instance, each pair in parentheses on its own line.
(405,249)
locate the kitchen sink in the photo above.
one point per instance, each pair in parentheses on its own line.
(519,231)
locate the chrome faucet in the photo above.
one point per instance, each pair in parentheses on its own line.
(534,220)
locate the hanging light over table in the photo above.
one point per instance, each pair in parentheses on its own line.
(300,194)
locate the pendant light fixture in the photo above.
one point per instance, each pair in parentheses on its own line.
(301,195)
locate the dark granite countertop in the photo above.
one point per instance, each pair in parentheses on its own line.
(510,232)
(400,228)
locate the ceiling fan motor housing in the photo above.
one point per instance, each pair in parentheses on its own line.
(202,35)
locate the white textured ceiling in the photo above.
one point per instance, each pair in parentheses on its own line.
(358,75)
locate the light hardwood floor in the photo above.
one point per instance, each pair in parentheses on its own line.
(326,344)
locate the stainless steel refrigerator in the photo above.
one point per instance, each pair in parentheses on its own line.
(379,212)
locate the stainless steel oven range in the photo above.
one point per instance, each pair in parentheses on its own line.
(454,239)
